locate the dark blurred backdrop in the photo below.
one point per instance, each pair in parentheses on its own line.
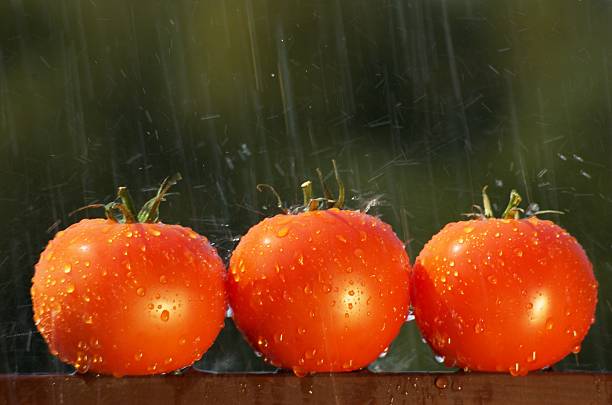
(421,102)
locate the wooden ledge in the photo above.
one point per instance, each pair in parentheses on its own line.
(284,388)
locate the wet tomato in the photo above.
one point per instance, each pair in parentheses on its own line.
(506,295)
(128,298)
(320,290)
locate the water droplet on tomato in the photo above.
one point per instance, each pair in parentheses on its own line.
(549,324)
(384,353)
(492,279)
(515,370)
(341,238)
(439,359)
(138,356)
(479,327)
(358,253)
(282,232)
(88,319)
(67,268)
(348,364)
(468,229)
(576,349)
(140,291)
(165,315)
(299,372)
(155,232)
(531,357)
(307,289)
(128,234)
(70,288)
(278,337)
(301,331)
(163,279)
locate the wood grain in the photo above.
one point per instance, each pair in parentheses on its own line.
(284,388)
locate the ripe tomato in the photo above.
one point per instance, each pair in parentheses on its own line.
(506,295)
(320,290)
(128,298)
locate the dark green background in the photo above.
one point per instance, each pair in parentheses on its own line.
(421,102)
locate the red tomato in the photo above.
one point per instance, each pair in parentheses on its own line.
(129,298)
(506,295)
(320,290)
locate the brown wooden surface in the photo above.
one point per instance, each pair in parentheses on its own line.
(351,388)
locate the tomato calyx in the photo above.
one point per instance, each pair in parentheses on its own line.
(121,210)
(512,211)
(312,203)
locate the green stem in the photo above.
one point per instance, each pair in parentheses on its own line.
(488,210)
(309,203)
(150,211)
(279,201)
(512,210)
(127,205)
(340,201)
(326,192)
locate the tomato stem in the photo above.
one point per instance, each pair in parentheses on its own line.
(326,192)
(279,201)
(512,210)
(341,192)
(150,211)
(127,205)
(488,210)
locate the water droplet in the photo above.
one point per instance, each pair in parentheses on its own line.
(515,370)
(182,341)
(155,232)
(441,382)
(70,288)
(128,234)
(358,253)
(468,229)
(532,357)
(138,356)
(439,359)
(140,291)
(88,319)
(278,337)
(163,279)
(492,279)
(576,349)
(165,315)
(282,232)
(301,331)
(384,353)
(452,263)
(299,372)
(341,238)
(549,324)
(348,364)
(479,327)
(67,268)
(307,289)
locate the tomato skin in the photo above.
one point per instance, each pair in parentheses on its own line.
(503,295)
(128,299)
(321,290)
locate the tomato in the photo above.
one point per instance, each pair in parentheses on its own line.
(506,295)
(128,298)
(320,290)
